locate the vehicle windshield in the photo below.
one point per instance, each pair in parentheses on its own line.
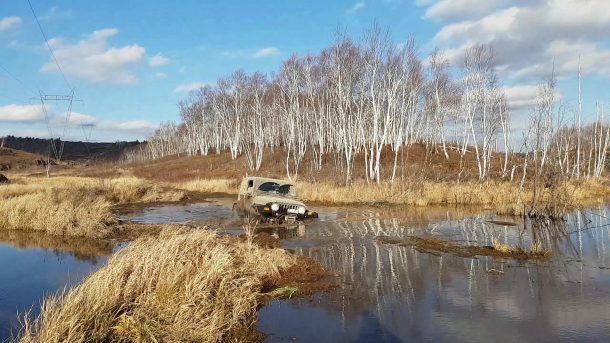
(275,188)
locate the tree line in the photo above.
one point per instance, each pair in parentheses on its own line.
(368,95)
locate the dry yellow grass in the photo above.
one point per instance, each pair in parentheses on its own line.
(210,186)
(537,250)
(183,286)
(501,247)
(72,206)
(504,197)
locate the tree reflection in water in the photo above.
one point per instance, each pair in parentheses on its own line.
(414,295)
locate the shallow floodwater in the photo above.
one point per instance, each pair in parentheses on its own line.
(218,211)
(34,265)
(394,293)
(385,292)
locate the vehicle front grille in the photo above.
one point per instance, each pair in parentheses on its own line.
(284,208)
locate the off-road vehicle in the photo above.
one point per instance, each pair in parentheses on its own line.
(273,200)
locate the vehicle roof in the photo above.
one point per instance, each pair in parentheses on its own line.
(259,179)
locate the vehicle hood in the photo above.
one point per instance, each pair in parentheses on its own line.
(264,199)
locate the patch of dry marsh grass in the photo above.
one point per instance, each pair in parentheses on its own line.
(182,286)
(72,206)
(504,197)
(210,186)
(497,249)
(537,250)
(501,247)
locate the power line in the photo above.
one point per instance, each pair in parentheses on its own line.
(12,98)
(16,79)
(49,46)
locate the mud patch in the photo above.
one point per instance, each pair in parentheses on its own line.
(305,277)
(502,223)
(437,246)
(125,231)
(189,197)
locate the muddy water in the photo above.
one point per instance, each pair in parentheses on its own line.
(394,293)
(34,265)
(386,292)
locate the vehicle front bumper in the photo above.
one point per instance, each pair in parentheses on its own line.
(266,212)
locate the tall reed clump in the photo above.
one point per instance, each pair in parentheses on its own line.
(72,206)
(182,286)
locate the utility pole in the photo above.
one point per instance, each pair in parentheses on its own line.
(579,121)
(87,128)
(53,148)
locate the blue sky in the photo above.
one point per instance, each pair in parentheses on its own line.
(132,61)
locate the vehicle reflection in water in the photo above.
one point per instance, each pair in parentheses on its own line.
(34,265)
(288,231)
(396,293)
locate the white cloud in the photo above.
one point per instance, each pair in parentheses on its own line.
(30,114)
(528,36)
(188,87)
(160,75)
(522,98)
(92,60)
(9,23)
(77,119)
(134,126)
(266,52)
(158,60)
(455,10)
(21,113)
(68,127)
(357,7)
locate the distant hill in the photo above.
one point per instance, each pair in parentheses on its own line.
(73,151)
(17,159)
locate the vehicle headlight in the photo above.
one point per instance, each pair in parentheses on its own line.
(301,209)
(275,207)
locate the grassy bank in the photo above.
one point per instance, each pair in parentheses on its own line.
(73,206)
(82,206)
(503,197)
(183,285)
(225,186)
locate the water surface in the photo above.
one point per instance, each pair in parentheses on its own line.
(386,293)
(392,293)
(34,265)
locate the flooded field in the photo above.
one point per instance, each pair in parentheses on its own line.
(400,293)
(386,292)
